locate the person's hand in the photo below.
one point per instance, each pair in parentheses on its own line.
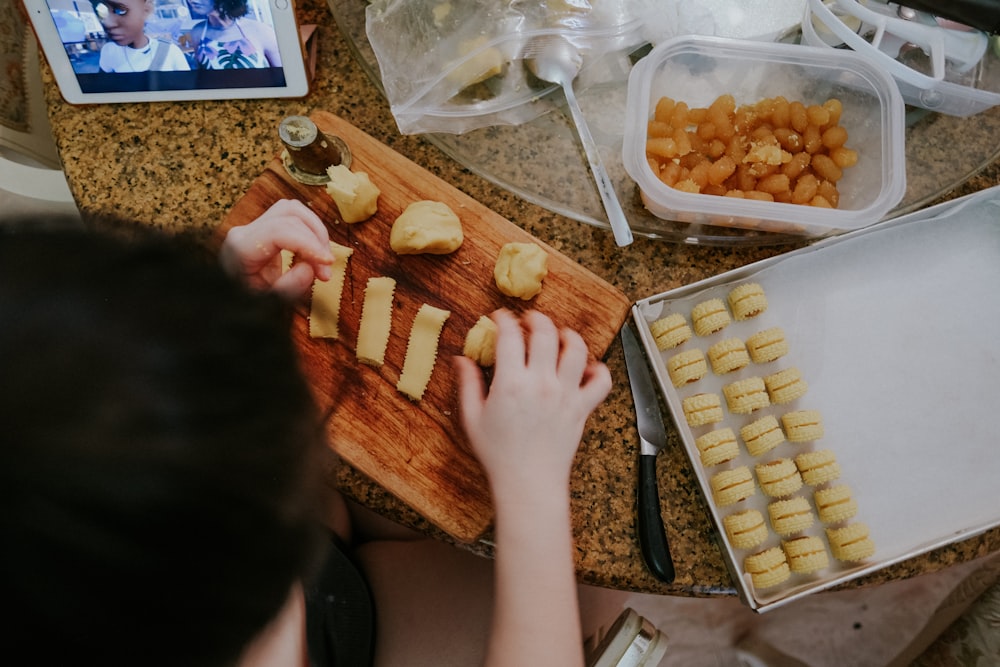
(526,429)
(253,251)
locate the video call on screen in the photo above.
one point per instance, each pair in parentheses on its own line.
(96,35)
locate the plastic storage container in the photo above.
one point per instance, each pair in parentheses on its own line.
(697,70)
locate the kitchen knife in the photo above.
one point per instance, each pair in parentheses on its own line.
(652,437)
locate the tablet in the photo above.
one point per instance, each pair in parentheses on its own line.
(169,50)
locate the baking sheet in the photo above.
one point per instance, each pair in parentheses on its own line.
(895,330)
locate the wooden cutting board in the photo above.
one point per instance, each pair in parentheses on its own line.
(417,450)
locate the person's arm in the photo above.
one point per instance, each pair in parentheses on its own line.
(525,430)
(253,251)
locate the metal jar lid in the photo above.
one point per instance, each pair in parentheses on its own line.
(308,152)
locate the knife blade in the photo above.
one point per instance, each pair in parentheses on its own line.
(652,438)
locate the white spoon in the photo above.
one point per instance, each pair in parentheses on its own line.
(554,59)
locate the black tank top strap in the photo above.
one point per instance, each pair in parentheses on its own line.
(340,614)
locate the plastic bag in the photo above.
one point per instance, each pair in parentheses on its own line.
(455,65)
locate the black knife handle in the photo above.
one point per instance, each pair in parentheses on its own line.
(652,537)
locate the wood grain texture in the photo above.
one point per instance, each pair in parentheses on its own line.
(417,450)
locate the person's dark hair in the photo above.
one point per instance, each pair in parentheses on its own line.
(231,9)
(158,475)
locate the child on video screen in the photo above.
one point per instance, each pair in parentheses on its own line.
(129,48)
(226,37)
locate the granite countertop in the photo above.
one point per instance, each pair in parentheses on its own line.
(179,167)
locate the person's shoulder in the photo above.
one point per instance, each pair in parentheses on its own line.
(110,57)
(173,59)
(255,26)
(172,49)
(171,46)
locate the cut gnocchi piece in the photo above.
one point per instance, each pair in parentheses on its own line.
(670,331)
(709,317)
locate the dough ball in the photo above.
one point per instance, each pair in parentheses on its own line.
(481,342)
(520,269)
(426,227)
(354,194)
(475,63)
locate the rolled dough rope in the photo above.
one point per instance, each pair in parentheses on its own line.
(324,312)
(421,351)
(376,320)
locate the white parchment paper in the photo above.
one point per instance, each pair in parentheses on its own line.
(897,333)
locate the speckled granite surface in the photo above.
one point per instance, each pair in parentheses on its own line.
(180,166)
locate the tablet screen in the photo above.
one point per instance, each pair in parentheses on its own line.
(148,46)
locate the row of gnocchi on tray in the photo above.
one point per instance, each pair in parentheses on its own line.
(776,457)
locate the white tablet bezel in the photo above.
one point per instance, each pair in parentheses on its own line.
(296,83)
